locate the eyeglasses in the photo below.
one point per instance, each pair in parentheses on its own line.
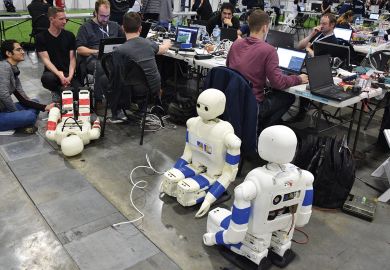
(19,49)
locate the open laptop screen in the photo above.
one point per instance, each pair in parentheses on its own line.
(374,16)
(291,59)
(280,39)
(319,71)
(343,33)
(186,34)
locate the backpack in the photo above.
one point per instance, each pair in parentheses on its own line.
(182,109)
(9,5)
(333,166)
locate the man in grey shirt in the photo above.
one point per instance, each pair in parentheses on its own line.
(87,44)
(24,113)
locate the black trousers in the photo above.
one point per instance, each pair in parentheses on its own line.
(52,82)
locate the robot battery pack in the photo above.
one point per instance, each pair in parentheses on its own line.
(360,206)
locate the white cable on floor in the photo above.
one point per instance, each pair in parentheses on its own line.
(141,184)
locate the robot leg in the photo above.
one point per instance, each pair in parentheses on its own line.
(192,190)
(172,177)
(280,251)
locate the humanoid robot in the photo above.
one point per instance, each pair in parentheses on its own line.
(210,159)
(71,133)
(271,201)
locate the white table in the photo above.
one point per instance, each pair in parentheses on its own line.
(24,18)
(365,49)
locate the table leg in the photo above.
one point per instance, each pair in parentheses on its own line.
(358,129)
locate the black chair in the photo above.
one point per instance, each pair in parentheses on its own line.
(124,78)
(39,24)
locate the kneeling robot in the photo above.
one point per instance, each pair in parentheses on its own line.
(69,131)
(271,201)
(210,159)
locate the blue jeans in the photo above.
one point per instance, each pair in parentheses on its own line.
(23,117)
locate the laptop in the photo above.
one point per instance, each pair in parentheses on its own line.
(321,80)
(145,29)
(374,16)
(228,33)
(202,29)
(185,35)
(290,60)
(343,33)
(280,39)
(316,7)
(108,45)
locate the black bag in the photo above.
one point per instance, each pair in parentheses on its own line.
(182,109)
(332,164)
(9,5)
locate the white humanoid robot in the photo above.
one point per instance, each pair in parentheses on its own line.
(210,159)
(71,133)
(271,201)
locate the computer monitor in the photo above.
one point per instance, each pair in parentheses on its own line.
(229,34)
(291,60)
(280,39)
(334,50)
(343,33)
(186,34)
(374,16)
(316,7)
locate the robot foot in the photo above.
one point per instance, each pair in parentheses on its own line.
(279,261)
(243,262)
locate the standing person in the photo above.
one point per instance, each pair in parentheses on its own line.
(24,113)
(56,47)
(258,62)
(119,8)
(87,44)
(358,8)
(224,18)
(166,10)
(203,9)
(275,4)
(326,6)
(151,9)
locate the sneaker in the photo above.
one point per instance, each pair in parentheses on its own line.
(115,120)
(55,97)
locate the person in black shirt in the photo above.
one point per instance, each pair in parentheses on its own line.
(56,48)
(322,32)
(119,8)
(325,6)
(224,18)
(203,9)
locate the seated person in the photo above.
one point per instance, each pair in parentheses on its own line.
(258,62)
(55,47)
(203,9)
(224,18)
(358,8)
(87,44)
(24,113)
(322,32)
(345,20)
(38,11)
(142,51)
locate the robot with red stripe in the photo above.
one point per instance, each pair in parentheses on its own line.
(68,131)
(210,159)
(271,201)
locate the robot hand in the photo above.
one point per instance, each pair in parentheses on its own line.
(209,239)
(204,208)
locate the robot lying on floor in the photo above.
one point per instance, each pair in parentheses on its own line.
(271,201)
(68,130)
(210,159)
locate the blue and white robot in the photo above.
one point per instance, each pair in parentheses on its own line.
(210,159)
(271,201)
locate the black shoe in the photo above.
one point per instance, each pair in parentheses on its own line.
(279,261)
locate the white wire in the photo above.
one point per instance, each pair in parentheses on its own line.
(141,184)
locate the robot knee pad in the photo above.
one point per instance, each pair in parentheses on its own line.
(189,193)
(72,145)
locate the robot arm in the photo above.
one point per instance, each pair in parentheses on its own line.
(238,226)
(304,213)
(54,117)
(94,133)
(228,175)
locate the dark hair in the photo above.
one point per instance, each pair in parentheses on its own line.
(131,22)
(257,19)
(331,17)
(99,3)
(7,46)
(227,5)
(52,12)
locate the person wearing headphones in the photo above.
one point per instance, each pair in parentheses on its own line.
(23,114)
(224,19)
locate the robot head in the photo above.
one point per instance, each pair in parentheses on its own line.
(277,144)
(210,104)
(72,145)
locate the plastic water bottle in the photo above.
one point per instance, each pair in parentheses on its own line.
(216,35)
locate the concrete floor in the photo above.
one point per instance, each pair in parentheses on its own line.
(56,212)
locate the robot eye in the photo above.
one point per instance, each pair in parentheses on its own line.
(198,105)
(206,108)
